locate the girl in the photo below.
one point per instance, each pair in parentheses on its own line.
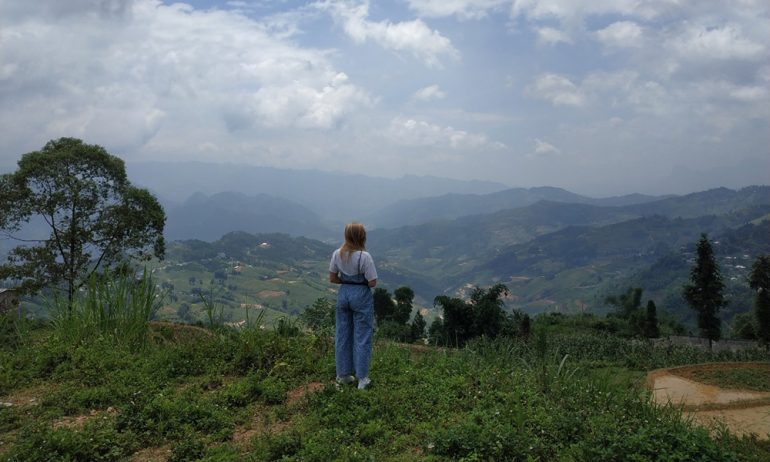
(353,268)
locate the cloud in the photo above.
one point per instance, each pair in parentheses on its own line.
(414,36)
(726,42)
(556,89)
(462,9)
(411,132)
(121,73)
(429,93)
(551,36)
(544,148)
(621,34)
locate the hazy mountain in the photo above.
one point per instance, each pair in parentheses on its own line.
(713,201)
(210,217)
(337,197)
(449,206)
(251,248)
(578,265)
(450,246)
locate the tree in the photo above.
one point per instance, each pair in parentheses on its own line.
(96,218)
(704,293)
(384,307)
(482,315)
(320,316)
(404,297)
(628,307)
(759,280)
(651,329)
(418,326)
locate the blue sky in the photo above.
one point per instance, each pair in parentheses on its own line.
(600,97)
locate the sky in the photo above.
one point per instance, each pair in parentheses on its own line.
(597,96)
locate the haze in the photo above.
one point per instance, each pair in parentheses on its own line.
(599,97)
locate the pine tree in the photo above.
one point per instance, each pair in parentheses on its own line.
(651,329)
(759,280)
(704,293)
(418,326)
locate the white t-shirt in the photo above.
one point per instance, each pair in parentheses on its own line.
(352,266)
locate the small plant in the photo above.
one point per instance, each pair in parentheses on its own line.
(115,309)
(214,310)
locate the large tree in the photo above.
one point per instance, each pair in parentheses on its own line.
(704,292)
(759,280)
(95,216)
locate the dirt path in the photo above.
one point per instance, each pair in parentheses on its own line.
(743,412)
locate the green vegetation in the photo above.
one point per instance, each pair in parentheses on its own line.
(749,378)
(95,217)
(704,294)
(253,394)
(759,280)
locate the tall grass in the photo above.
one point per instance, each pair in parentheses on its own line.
(115,310)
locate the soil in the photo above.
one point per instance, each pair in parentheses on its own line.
(270,293)
(743,412)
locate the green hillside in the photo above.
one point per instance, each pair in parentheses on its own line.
(256,395)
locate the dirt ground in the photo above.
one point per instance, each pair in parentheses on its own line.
(743,412)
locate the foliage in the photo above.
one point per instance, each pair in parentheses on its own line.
(704,294)
(417,327)
(384,306)
(745,326)
(117,310)
(570,397)
(651,329)
(748,378)
(482,315)
(759,280)
(404,297)
(96,217)
(320,316)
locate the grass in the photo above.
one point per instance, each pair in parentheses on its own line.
(225,395)
(754,378)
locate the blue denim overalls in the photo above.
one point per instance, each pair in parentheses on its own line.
(354,325)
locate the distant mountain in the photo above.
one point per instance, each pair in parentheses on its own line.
(576,265)
(449,206)
(209,217)
(449,247)
(711,202)
(735,251)
(277,248)
(336,197)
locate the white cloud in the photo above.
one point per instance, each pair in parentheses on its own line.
(551,36)
(621,34)
(411,132)
(726,42)
(544,148)
(429,93)
(556,89)
(462,9)
(159,70)
(414,37)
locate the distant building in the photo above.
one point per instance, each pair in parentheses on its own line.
(9,300)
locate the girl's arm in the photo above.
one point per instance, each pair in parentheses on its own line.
(372,283)
(335,279)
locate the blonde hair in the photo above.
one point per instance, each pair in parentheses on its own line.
(355,239)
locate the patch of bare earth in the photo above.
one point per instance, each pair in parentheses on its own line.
(743,412)
(79,421)
(270,293)
(156,454)
(262,422)
(26,396)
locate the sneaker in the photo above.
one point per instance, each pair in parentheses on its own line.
(363,383)
(346,380)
